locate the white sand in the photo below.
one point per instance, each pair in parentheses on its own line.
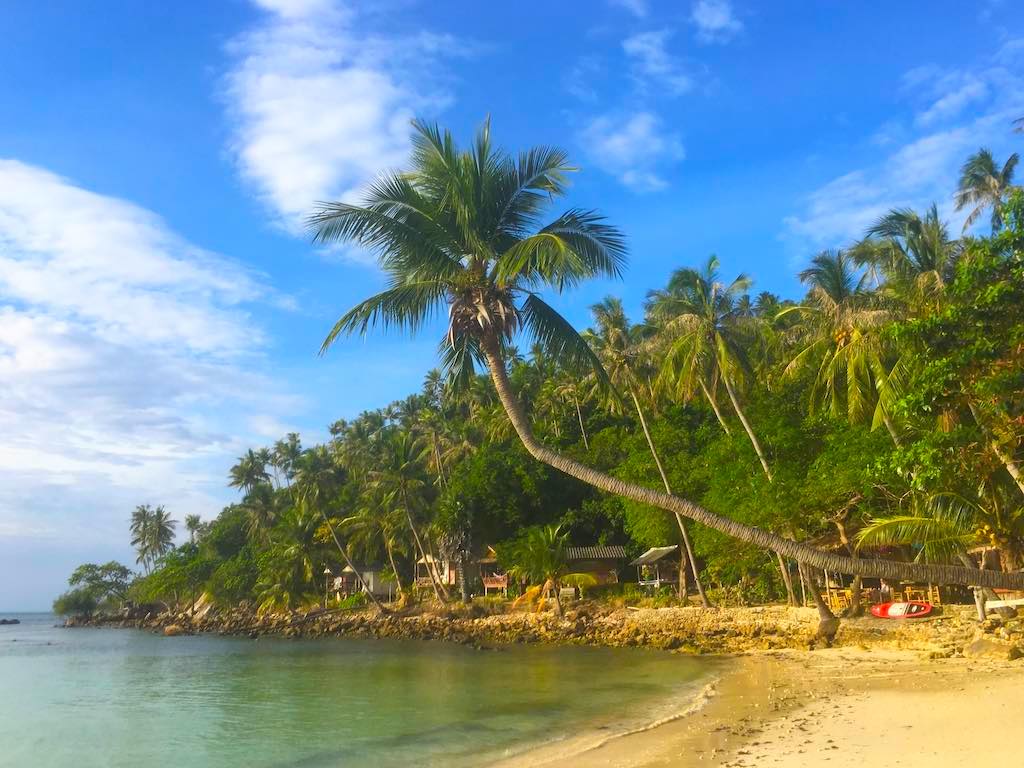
(842,708)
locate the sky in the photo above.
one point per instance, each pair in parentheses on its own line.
(161,305)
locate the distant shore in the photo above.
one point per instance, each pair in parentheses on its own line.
(847,708)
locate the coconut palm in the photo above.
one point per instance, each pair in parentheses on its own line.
(914,254)
(708,328)
(983,184)
(285,455)
(318,481)
(152,534)
(250,471)
(616,345)
(461,231)
(841,343)
(540,558)
(193,524)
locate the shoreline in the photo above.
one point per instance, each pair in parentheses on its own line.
(846,707)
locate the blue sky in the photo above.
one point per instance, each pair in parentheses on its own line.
(161,307)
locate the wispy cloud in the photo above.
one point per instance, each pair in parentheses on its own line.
(637,7)
(715,21)
(319,107)
(652,62)
(128,360)
(635,148)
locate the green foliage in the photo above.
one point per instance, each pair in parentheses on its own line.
(76,602)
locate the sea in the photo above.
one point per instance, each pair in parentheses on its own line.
(124,697)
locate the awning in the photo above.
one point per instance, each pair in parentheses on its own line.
(654,554)
(599,552)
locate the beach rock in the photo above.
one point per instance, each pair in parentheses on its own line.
(6,622)
(990,648)
(172,630)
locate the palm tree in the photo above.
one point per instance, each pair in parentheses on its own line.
(539,558)
(193,524)
(318,480)
(707,325)
(461,231)
(841,343)
(983,184)
(618,351)
(399,480)
(286,454)
(161,532)
(152,534)
(250,471)
(139,528)
(914,254)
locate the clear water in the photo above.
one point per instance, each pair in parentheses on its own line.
(114,697)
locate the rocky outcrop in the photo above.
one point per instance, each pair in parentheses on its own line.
(682,629)
(7,622)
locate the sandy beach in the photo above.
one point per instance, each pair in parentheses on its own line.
(842,707)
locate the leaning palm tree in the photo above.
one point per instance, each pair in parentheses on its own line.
(983,185)
(461,231)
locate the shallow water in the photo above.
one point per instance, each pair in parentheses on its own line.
(114,697)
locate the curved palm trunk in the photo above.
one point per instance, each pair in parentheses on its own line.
(679,520)
(419,546)
(746,425)
(714,407)
(885,569)
(579,416)
(1008,461)
(349,563)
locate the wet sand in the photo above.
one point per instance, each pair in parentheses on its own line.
(843,707)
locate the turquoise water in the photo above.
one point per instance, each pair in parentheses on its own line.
(115,697)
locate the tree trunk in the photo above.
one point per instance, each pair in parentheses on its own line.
(885,569)
(394,568)
(746,425)
(579,416)
(714,407)
(828,624)
(684,587)
(348,562)
(891,428)
(679,520)
(1007,459)
(423,554)
(463,582)
(437,563)
(787,579)
(855,608)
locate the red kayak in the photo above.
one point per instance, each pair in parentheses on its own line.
(914,609)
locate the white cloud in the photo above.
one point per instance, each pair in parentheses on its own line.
(128,361)
(636,149)
(652,61)
(951,113)
(320,107)
(637,7)
(715,21)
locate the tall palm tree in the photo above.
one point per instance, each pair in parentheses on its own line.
(616,346)
(152,532)
(249,472)
(913,253)
(286,454)
(983,184)
(193,524)
(461,231)
(841,342)
(707,325)
(318,480)
(139,527)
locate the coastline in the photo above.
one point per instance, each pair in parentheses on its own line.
(845,707)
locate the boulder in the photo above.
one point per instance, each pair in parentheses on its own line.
(172,630)
(6,622)
(990,648)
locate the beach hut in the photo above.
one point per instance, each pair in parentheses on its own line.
(445,571)
(491,575)
(374,582)
(655,568)
(602,561)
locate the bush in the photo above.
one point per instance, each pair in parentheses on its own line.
(76,602)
